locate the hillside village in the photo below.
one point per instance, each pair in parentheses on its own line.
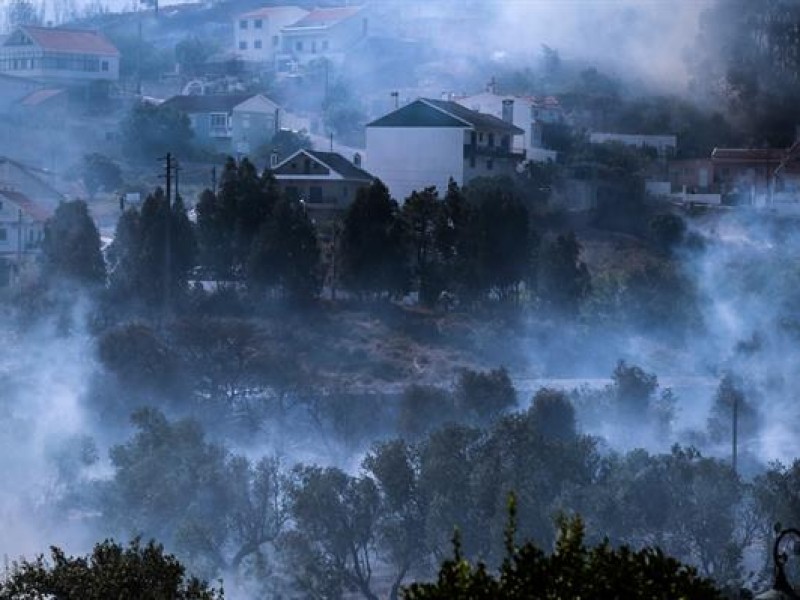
(330,98)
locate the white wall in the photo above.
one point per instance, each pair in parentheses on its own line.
(411,158)
(270,30)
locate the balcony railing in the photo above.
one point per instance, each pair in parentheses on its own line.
(493,152)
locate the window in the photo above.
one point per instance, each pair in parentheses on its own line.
(480,138)
(298,46)
(324,45)
(104,66)
(275,40)
(246,121)
(257,23)
(257,44)
(3,234)
(219,121)
(491,140)
(243,24)
(1,206)
(242,45)
(314,47)
(307,166)
(489,164)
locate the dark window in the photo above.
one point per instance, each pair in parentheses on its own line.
(104,66)
(315,194)
(242,45)
(472,161)
(298,46)
(491,140)
(257,23)
(275,40)
(3,234)
(243,24)
(257,44)
(324,45)
(314,47)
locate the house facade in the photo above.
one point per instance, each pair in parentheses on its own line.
(323,33)
(257,34)
(664,146)
(326,181)
(427,142)
(529,113)
(230,124)
(55,54)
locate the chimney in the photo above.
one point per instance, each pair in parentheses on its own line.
(357,159)
(508,111)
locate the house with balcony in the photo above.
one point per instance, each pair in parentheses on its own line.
(326,181)
(229,124)
(427,142)
(323,33)
(257,34)
(59,55)
(530,113)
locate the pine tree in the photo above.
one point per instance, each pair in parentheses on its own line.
(71,247)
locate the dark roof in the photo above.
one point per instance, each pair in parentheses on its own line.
(749,154)
(442,113)
(337,162)
(59,39)
(32,209)
(210,103)
(325,17)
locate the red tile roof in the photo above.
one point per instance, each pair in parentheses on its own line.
(271,11)
(83,41)
(324,17)
(39,97)
(32,209)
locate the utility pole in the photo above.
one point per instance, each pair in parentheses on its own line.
(168,166)
(177,179)
(214,179)
(735,430)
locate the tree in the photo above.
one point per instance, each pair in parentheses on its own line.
(191,54)
(285,255)
(23,12)
(150,131)
(668,231)
(482,396)
(110,571)
(153,251)
(333,542)
(457,244)
(423,408)
(571,571)
(372,250)
(553,414)
(71,247)
(633,388)
(401,524)
(422,212)
(564,279)
(730,394)
(100,173)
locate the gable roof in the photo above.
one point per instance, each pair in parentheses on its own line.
(59,39)
(33,209)
(425,112)
(749,154)
(325,17)
(334,162)
(33,172)
(273,11)
(209,103)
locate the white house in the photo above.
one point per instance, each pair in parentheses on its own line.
(56,54)
(529,113)
(326,181)
(427,142)
(324,33)
(257,34)
(233,124)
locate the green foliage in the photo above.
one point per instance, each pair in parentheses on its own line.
(423,408)
(192,52)
(422,212)
(372,250)
(553,414)
(99,172)
(71,247)
(150,131)
(153,252)
(633,388)
(720,421)
(110,571)
(571,571)
(564,281)
(482,396)
(285,255)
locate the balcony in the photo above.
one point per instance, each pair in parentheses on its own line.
(471,151)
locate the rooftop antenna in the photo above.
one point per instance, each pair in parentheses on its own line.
(396,96)
(331,141)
